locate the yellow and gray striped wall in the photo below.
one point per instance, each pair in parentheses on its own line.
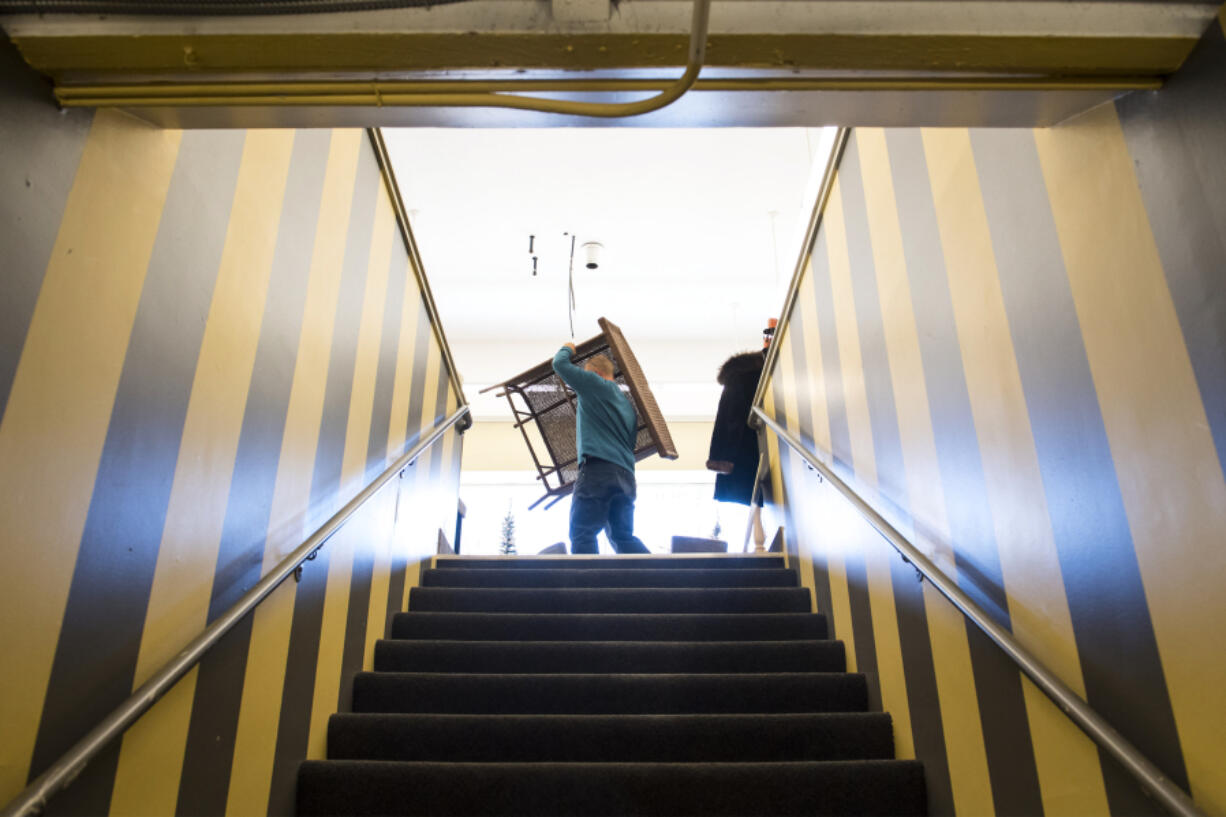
(1013,342)
(211,341)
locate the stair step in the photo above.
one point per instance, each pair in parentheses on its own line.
(655,561)
(605,577)
(578,694)
(611,600)
(611,738)
(866,787)
(609,626)
(609,656)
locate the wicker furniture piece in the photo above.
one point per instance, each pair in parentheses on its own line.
(541,401)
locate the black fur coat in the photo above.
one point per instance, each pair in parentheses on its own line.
(732,440)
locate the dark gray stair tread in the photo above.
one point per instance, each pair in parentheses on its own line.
(609,656)
(532,694)
(609,626)
(611,738)
(869,787)
(611,600)
(657,561)
(605,577)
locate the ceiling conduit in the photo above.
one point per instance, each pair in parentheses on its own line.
(670,94)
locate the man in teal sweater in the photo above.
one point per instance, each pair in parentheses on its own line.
(606,429)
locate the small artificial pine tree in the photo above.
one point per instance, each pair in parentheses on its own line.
(507,546)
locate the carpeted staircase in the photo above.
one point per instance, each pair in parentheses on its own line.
(610,686)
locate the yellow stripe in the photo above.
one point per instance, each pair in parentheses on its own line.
(814,370)
(817,535)
(772,453)
(151,760)
(859,422)
(963,730)
(357,437)
(60,405)
(892,676)
(959,705)
(410,309)
(409,313)
(332,638)
(366,360)
(1168,470)
(840,596)
(259,713)
(783,392)
(1069,772)
(382,508)
(960,718)
(451,506)
(416,505)
(860,431)
(796,482)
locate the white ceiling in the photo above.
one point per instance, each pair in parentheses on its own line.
(701,230)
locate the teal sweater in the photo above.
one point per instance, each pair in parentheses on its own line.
(607,425)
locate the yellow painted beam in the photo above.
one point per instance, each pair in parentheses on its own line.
(385,51)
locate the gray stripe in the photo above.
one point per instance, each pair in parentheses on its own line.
(440,414)
(796,330)
(410,480)
(389,348)
(213,727)
(376,457)
(1006,729)
(330,454)
(800,371)
(95,659)
(923,700)
(1098,560)
(832,369)
(863,638)
(875,361)
(790,528)
(42,149)
(1175,137)
(296,701)
(354,647)
(299,688)
(918,669)
(864,642)
(417,393)
(953,424)
(399,566)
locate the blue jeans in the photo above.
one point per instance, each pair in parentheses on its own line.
(603,499)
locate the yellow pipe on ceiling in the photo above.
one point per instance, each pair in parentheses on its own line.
(500,93)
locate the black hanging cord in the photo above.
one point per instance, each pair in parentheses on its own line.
(179,8)
(571,287)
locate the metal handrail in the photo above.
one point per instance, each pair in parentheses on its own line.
(35,796)
(1096,728)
